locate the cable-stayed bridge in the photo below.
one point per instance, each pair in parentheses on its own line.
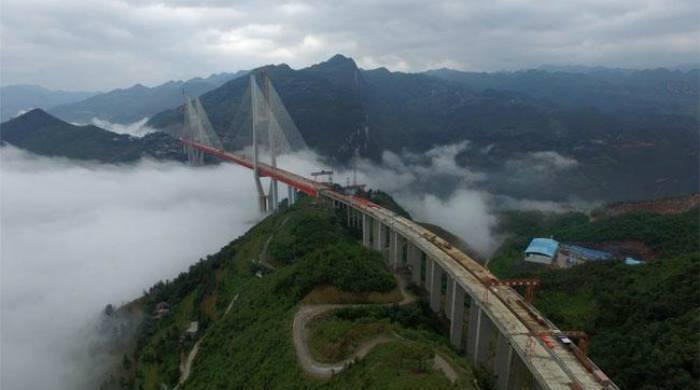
(494,325)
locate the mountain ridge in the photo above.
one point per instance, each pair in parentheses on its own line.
(41,133)
(128,105)
(341,109)
(22,97)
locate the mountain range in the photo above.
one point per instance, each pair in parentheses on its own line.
(610,90)
(601,134)
(628,134)
(17,99)
(121,106)
(137,102)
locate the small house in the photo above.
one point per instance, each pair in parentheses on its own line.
(192,330)
(162,309)
(542,251)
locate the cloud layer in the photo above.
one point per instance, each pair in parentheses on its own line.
(76,237)
(73,44)
(136,129)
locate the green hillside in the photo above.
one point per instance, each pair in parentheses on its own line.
(245,321)
(41,133)
(643,320)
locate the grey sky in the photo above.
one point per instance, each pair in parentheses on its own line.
(103,44)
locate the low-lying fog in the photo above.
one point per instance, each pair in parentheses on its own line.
(78,236)
(75,236)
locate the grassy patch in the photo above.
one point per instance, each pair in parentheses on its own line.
(331,294)
(332,339)
(398,365)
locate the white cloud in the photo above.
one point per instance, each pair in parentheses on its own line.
(136,129)
(464,212)
(73,44)
(75,237)
(22,112)
(539,164)
(409,178)
(504,202)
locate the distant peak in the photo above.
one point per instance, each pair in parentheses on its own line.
(36,115)
(338,60)
(339,70)
(273,68)
(381,69)
(337,63)
(340,57)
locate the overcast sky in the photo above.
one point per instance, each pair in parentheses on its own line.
(103,44)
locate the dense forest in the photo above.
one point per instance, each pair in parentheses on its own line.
(642,320)
(244,308)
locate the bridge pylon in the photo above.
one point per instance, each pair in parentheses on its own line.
(267,132)
(262,119)
(197,129)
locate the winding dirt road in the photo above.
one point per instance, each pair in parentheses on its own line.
(300,331)
(186,365)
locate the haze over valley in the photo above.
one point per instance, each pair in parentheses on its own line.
(468,195)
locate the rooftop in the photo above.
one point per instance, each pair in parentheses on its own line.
(587,253)
(543,246)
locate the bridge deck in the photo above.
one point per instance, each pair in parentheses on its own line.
(554,366)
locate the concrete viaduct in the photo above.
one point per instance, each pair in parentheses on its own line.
(495,327)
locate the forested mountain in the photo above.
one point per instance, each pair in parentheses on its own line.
(41,133)
(603,134)
(17,98)
(323,100)
(132,104)
(246,298)
(612,90)
(641,142)
(642,320)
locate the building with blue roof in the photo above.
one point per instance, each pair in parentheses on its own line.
(542,251)
(587,254)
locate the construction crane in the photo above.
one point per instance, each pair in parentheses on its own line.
(323,172)
(529,284)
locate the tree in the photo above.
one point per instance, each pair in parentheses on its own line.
(126,362)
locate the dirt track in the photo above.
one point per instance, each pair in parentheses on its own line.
(300,331)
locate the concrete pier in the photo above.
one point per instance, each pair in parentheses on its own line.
(504,359)
(482,336)
(414,260)
(366,223)
(448,296)
(456,314)
(435,286)
(473,333)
